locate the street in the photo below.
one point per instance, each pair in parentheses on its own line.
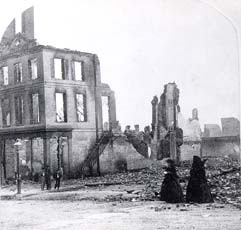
(128,215)
(109,207)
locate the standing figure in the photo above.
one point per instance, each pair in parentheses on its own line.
(58,176)
(43,178)
(171,190)
(198,190)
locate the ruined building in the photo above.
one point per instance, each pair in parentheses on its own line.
(230,127)
(212,130)
(53,101)
(167,136)
(191,135)
(191,127)
(222,142)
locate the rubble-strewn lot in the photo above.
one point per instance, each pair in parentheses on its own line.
(222,173)
(123,201)
(223,176)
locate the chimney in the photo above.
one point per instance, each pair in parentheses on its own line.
(28,23)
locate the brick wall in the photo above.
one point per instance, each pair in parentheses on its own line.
(121,150)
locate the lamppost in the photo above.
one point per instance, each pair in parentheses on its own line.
(17,144)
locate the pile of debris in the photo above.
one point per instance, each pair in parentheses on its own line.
(224,178)
(222,173)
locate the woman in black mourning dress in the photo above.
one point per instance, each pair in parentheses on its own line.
(171,190)
(198,190)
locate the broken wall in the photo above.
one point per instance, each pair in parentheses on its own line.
(212,130)
(121,151)
(221,146)
(190,149)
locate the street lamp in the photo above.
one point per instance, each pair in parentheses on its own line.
(17,145)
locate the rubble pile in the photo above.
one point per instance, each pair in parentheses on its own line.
(222,173)
(224,179)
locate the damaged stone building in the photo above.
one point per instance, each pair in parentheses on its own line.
(52,101)
(179,138)
(167,136)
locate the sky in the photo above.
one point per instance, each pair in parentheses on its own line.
(144,44)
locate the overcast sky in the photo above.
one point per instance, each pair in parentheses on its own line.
(144,44)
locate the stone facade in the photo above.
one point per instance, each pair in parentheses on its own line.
(50,100)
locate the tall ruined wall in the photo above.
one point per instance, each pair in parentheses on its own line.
(165,123)
(164,113)
(121,151)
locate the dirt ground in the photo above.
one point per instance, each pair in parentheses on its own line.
(94,215)
(111,207)
(122,201)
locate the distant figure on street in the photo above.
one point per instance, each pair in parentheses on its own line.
(58,176)
(198,190)
(171,190)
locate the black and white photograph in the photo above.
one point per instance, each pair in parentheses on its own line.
(120,114)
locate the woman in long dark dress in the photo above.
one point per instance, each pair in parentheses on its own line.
(198,190)
(171,190)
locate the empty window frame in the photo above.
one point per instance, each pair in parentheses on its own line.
(19,110)
(35,108)
(60,68)
(61,109)
(78,71)
(105,109)
(18,72)
(6,112)
(81,107)
(33,68)
(4,75)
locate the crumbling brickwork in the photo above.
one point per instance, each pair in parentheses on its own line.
(166,133)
